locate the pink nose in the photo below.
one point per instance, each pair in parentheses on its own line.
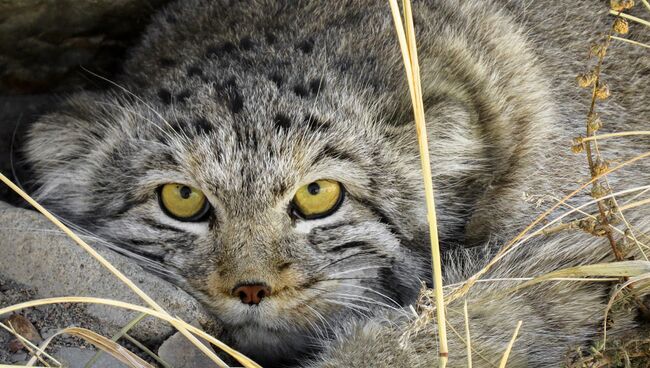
(251,294)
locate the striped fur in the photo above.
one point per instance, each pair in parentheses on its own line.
(249,100)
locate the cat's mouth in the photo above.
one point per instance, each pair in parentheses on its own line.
(275,312)
(265,306)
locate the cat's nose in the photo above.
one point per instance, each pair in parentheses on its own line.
(251,294)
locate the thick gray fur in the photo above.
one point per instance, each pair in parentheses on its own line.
(249,100)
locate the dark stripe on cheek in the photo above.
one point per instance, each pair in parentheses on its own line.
(134,248)
(127,205)
(157,225)
(332,226)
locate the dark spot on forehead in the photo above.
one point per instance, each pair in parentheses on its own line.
(166,62)
(236,102)
(214,51)
(306,46)
(246,43)
(316,85)
(165,96)
(282,121)
(330,151)
(235,99)
(183,96)
(276,78)
(270,38)
(313,123)
(344,64)
(300,91)
(228,47)
(203,126)
(194,71)
(230,83)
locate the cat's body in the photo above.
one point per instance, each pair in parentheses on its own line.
(248,101)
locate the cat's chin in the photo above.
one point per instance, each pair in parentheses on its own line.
(270,347)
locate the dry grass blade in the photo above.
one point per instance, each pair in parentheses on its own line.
(145,349)
(105,344)
(630,17)
(506,354)
(116,303)
(406,37)
(632,280)
(116,337)
(468,341)
(619,134)
(33,349)
(175,322)
(464,288)
(636,43)
(613,269)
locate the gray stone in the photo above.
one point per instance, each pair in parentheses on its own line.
(44,43)
(72,357)
(36,254)
(178,351)
(20,357)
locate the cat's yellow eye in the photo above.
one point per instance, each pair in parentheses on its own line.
(318,199)
(183,202)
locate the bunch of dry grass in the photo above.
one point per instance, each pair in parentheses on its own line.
(632,276)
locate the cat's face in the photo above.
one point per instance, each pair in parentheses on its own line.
(279,220)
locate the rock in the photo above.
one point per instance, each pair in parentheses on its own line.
(39,256)
(72,357)
(178,351)
(19,357)
(24,328)
(44,43)
(15,345)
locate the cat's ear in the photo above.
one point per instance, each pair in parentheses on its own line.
(59,138)
(60,146)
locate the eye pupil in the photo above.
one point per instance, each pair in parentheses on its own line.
(185,192)
(313,188)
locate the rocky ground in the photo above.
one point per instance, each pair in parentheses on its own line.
(45,46)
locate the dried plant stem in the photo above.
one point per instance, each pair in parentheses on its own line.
(630,17)
(138,308)
(590,160)
(636,43)
(591,133)
(147,351)
(120,275)
(575,224)
(116,337)
(409,54)
(634,204)
(462,340)
(33,349)
(464,288)
(611,135)
(468,341)
(506,354)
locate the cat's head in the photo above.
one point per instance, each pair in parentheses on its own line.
(280,217)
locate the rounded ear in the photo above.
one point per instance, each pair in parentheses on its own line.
(59,145)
